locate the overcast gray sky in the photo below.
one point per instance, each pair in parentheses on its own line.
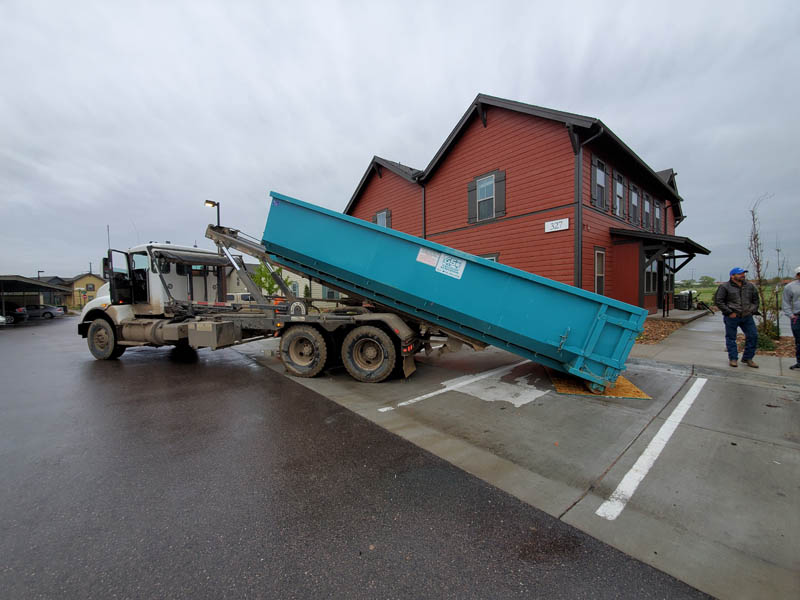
(131,114)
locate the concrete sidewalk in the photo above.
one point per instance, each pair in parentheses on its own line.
(701,342)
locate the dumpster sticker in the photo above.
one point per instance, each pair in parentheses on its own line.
(428,257)
(450,265)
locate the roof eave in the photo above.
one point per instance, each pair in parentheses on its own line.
(484,100)
(377,160)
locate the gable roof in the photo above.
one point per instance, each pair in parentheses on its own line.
(668,177)
(410,174)
(74,279)
(579,126)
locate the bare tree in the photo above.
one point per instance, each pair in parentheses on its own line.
(760,264)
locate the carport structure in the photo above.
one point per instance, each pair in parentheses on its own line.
(24,290)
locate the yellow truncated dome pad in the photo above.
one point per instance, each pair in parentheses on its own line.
(566,384)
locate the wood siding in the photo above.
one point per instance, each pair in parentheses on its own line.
(537,158)
(390,191)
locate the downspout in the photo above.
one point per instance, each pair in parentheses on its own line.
(578,149)
(422,185)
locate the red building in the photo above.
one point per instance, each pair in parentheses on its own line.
(550,192)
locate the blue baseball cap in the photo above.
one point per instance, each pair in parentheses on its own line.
(737,270)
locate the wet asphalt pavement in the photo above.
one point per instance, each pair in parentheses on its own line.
(153,476)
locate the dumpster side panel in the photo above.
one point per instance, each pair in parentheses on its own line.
(542,319)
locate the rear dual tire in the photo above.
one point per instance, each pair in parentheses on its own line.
(303,351)
(369,354)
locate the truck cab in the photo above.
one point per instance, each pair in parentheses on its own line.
(152,290)
(157,279)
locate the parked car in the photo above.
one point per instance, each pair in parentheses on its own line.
(14,313)
(44,310)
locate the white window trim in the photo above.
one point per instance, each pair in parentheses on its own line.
(596,274)
(385,214)
(479,200)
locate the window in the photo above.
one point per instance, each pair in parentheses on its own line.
(635,215)
(651,278)
(669,274)
(485,189)
(599,191)
(486,197)
(295,288)
(599,270)
(619,196)
(383,218)
(329,294)
(647,222)
(162,266)
(658,216)
(492,257)
(89,287)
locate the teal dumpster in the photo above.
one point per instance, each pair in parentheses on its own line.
(558,325)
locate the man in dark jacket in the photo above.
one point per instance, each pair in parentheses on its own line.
(738,301)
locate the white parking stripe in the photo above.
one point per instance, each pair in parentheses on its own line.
(454,384)
(611,508)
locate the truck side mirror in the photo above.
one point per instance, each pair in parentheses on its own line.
(106,270)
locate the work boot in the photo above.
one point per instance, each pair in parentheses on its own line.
(749,362)
(733,362)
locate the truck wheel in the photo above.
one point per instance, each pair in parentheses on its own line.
(368,354)
(102,340)
(303,351)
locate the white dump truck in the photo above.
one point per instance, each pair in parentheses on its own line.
(164,294)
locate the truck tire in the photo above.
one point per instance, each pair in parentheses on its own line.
(303,351)
(102,340)
(368,354)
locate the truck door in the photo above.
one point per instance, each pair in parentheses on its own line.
(140,263)
(119,274)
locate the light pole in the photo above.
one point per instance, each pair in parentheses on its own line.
(220,270)
(212,204)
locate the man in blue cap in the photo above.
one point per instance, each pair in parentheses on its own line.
(737,298)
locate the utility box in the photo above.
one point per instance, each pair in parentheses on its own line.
(211,334)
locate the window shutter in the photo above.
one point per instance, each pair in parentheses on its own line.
(594,181)
(472,202)
(375,218)
(388,219)
(625,197)
(499,193)
(609,188)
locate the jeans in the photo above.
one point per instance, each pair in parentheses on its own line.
(748,326)
(796,332)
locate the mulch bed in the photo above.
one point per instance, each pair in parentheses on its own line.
(655,331)
(784,347)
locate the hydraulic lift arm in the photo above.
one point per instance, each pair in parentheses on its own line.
(227,238)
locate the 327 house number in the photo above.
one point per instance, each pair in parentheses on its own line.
(559,225)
